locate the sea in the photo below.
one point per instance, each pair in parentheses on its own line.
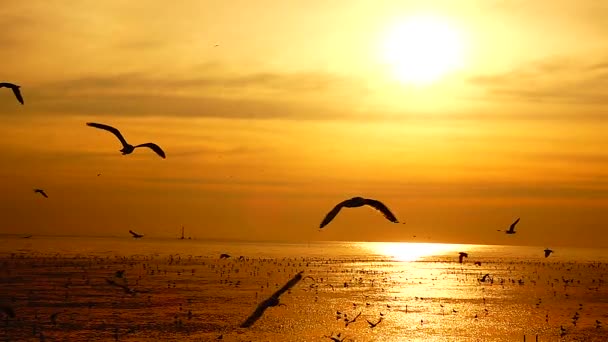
(69,288)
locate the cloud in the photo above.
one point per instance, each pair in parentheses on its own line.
(250,96)
(557,80)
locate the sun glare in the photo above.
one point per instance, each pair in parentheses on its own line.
(422,49)
(404,251)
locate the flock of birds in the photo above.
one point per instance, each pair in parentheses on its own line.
(354,202)
(273,300)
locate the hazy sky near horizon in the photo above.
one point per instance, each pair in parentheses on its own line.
(271,112)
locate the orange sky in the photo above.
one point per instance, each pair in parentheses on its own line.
(294,111)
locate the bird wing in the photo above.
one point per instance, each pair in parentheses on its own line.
(40,191)
(259,311)
(330,215)
(17,94)
(512,228)
(135,234)
(153,147)
(382,208)
(115,131)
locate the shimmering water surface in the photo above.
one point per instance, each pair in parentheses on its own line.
(66,289)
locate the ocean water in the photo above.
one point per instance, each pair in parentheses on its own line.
(68,289)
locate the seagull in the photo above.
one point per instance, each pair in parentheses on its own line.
(462,255)
(273,300)
(511,229)
(126,147)
(352,320)
(485,276)
(373,325)
(135,235)
(15,89)
(548,252)
(40,191)
(359,202)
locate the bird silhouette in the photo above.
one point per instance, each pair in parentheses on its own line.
(126,147)
(15,89)
(224,256)
(485,277)
(511,229)
(40,191)
(359,202)
(373,325)
(135,235)
(548,252)
(462,255)
(273,300)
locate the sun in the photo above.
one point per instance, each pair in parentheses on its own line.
(422,49)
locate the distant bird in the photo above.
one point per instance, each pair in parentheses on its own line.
(477,263)
(373,325)
(462,255)
(119,273)
(14,88)
(511,229)
(336,338)
(485,277)
(352,320)
(224,256)
(126,147)
(548,252)
(135,235)
(26,237)
(40,191)
(359,202)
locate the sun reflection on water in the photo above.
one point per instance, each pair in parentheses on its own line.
(408,251)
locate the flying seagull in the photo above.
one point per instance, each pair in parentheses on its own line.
(126,147)
(15,89)
(271,301)
(511,229)
(462,255)
(40,191)
(135,235)
(359,202)
(373,325)
(548,252)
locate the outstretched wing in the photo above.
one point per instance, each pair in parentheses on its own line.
(135,234)
(512,227)
(330,215)
(40,191)
(17,94)
(153,147)
(270,301)
(382,208)
(115,131)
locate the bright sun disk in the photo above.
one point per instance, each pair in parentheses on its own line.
(422,49)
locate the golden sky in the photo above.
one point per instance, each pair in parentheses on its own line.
(271,112)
